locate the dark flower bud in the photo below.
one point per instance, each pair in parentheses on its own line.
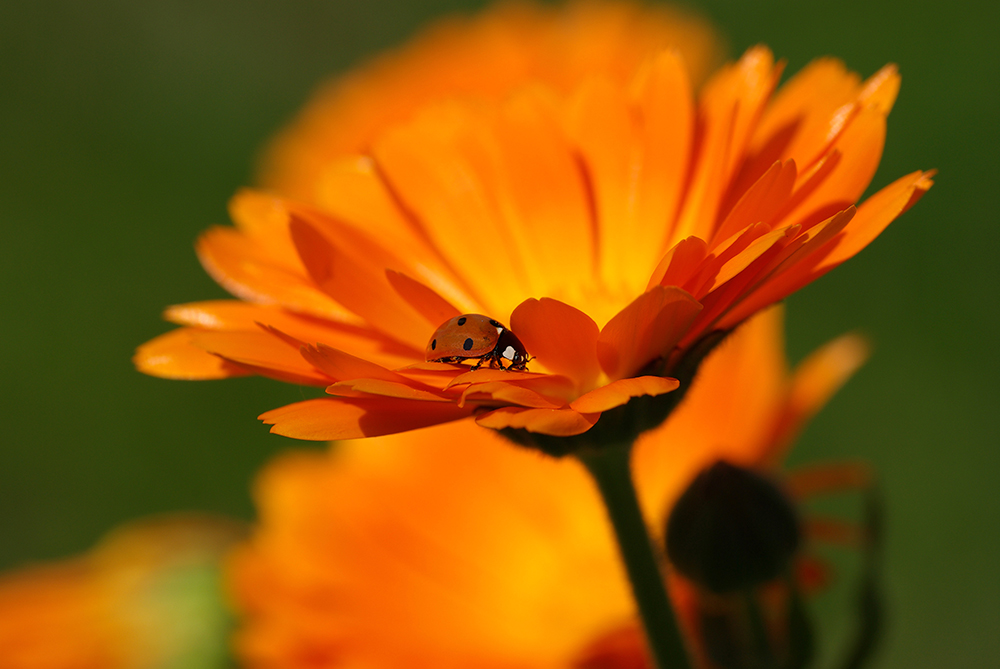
(732,529)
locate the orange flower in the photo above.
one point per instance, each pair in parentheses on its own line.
(486,57)
(145,597)
(614,223)
(446,548)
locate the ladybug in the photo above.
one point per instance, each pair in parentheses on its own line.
(477,336)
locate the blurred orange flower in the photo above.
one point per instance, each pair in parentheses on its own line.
(446,548)
(146,597)
(591,201)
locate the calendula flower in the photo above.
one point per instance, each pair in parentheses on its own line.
(446,548)
(615,223)
(146,597)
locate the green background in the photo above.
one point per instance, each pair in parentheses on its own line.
(125,127)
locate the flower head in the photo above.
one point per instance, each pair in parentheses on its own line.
(613,219)
(445,548)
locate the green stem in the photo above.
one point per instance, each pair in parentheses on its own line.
(610,467)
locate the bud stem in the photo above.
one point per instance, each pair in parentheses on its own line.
(611,470)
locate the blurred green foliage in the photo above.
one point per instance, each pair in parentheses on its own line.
(125,127)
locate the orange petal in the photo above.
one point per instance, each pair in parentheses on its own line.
(563,338)
(352,191)
(507,393)
(425,301)
(263,353)
(875,214)
(341,366)
(601,127)
(762,202)
(247,269)
(664,103)
(823,479)
(355,278)
(780,271)
(815,381)
(646,329)
(797,124)
(232,315)
(680,263)
(621,391)
(174,356)
(486,375)
(264,219)
(880,89)
(542,195)
(730,106)
(556,422)
(382,388)
(860,146)
(329,419)
(442,167)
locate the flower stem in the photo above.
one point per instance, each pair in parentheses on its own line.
(611,470)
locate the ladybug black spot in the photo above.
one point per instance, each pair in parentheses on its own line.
(468,344)
(461,321)
(434,344)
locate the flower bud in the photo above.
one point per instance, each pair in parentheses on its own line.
(731,529)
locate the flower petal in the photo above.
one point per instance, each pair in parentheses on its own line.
(729,108)
(354,275)
(664,102)
(680,263)
(556,422)
(246,268)
(561,337)
(875,214)
(425,301)
(621,391)
(507,393)
(814,382)
(543,196)
(382,388)
(761,202)
(329,419)
(174,356)
(442,168)
(352,191)
(262,353)
(341,366)
(860,146)
(645,330)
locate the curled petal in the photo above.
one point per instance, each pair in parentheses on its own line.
(508,393)
(621,391)
(555,422)
(561,337)
(330,419)
(646,329)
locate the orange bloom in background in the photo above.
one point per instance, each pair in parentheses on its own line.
(487,57)
(446,548)
(595,203)
(146,597)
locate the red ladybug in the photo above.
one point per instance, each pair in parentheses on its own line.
(477,336)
